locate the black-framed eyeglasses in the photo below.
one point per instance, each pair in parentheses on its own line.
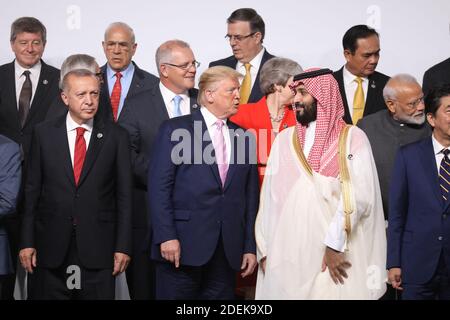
(185,66)
(238,38)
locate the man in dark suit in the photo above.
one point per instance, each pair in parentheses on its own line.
(203,196)
(27,88)
(10,173)
(122,77)
(360,85)
(246,30)
(418,256)
(76,230)
(436,75)
(387,130)
(173,96)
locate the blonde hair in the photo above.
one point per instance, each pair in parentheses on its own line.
(213,75)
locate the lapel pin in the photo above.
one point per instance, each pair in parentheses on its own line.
(45,82)
(373,85)
(99,135)
(350,156)
(194,106)
(285,126)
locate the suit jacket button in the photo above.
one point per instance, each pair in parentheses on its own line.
(444,216)
(77,195)
(440,238)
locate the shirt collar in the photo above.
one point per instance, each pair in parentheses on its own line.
(34,70)
(128,71)
(72,125)
(210,119)
(350,77)
(168,95)
(437,147)
(256,61)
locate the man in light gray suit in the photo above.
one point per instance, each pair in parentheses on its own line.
(10,175)
(174,95)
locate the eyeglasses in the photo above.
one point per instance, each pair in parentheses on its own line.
(414,104)
(185,66)
(238,38)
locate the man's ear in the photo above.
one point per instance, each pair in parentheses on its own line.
(209,96)
(347,54)
(391,105)
(64,98)
(430,119)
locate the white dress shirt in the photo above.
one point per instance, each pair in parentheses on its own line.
(168,96)
(255,63)
(210,121)
(350,86)
(72,126)
(437,147)
(309,138)
(35,72)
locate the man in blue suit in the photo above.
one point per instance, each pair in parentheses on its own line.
(10,175)
(203,196)
(419,230)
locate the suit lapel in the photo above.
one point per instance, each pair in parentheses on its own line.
(10,88)
(372,91)
(429,166)
(98,136)
(62,146)
(339,75)
(41,92)
(205,141)
(233,149)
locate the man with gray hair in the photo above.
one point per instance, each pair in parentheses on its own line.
(402,123)
(73,62)
(28,86)
(122,77)
(174,95)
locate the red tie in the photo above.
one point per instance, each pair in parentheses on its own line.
(80,154)
(115,95)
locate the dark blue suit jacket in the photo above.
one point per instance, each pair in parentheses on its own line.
(187,201)
(10,165)
(419,229)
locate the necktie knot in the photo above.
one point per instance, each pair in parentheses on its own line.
(219,124)
(26,73)
(445,152)
(358,80)
(80,131)
(247,67)
(177,107)
(118,75)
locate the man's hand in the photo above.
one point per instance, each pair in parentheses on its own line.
(121,261)
(336,263)
(395,278)
(249,264)
(262,263)
(28,259)
(171,251)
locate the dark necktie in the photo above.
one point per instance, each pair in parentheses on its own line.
(79,154)
(444,174)
(25,98)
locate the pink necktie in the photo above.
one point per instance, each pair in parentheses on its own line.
(221,151)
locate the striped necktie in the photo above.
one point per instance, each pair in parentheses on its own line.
(444,174)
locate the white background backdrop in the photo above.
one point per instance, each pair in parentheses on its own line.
(415,34)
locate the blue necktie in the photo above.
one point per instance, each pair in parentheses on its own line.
(176,108)
(444,174)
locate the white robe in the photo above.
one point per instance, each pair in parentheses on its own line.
(294,216)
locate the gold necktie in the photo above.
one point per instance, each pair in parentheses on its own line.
(246,86)
(358,101)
